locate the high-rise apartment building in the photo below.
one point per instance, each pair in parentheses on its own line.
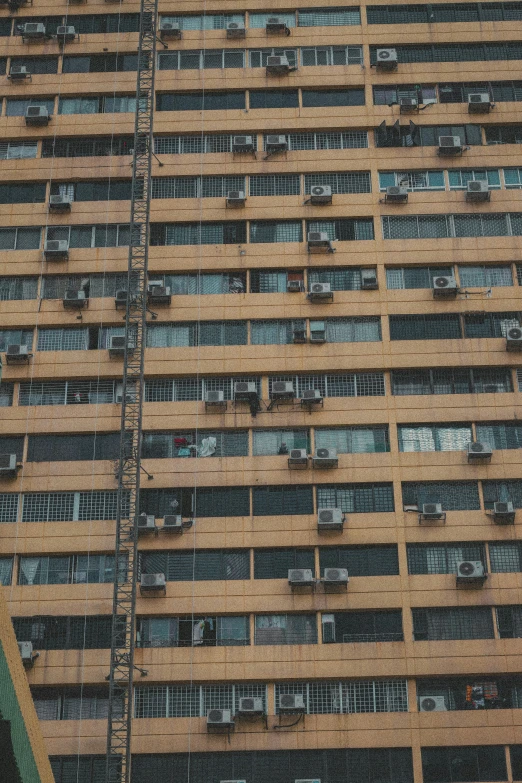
(332,432)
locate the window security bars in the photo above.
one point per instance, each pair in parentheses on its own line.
(67,392)
(196,187)
(191,389)
(442,558)
(341,385)
(192,701)
(347,697)
(489,380)
(453,495)
(452,437)
(448,622)
(195,145)
(445,226)
(326,141)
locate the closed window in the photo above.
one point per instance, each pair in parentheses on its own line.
(204,502)
(390,94)
(99,63)
(344,182)
(505,557)
(272,281)
(260,20)
(442,558)
(360,627)
(199,101)
(20,238)
(458,52)
(258,58)
(196,187)
(380,560)
(200,59)
(70,506)
(502,491)
(68,569)
(347,697)
(352,330)
(411,135)
(197,333)
(6,395)
(110,190)
(353,440)
(9,502)
(513,178)
(453,495)
(503,134)
(203,284)
(188,389)
(203,21)
(320,98)
(85,148)
(86,24)
(268,231)
(485,276)
(37,65)
(195,145)
(327,17)
(408,277)
(266,442)
(18,150)
(356,498)
(84,703)
(464,763)
(452,622)
(59,448)
(91,768)
(198,233)
(194,631)
(354,139)
(212,565)
(425,327)
(274,99)
(104,235)
(344,229)
(193,701)
(451,437)
(14,288)
(13,444)
(452,381)
(274,185)
(459,178)
(278,629)
(275,563)
(15,337)
(17,107)
(336,385)
(339,279)
(412,180)
(73,339)
(509,621)
(158,445)
(500,435)
(92,632)
(6,570)
(489,324)
(282,500)
(331,55)
(275,332)
(67,393)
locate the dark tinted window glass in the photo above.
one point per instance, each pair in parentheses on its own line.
(312,98)
(275,563)
(274,99)
(361,560)
(197,101)
(57,448)
(463,764)
(269,501)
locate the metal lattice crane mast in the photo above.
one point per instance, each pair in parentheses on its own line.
(118,768)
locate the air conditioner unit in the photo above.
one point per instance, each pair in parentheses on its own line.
(298,458)
(33,30)
(514,339)
(478,190)
(236,198)
(294,286)
(19,72)
(283,389)
(251,705)
(335,576)
(479,452)
(173,522)
(215,397)
(36,115)
(169,30)
(318,242)
(153,583)
(386,59)
(275,24)
(219,719)
(8,465)
(432,511)
(75,299)
(504,512)
(471,572)
(276,143)
(311,396)
(245,390)
(17,354)
(479,103)
(60,203)
(26,652)
(432,704)
(65,33)
(120,299)
(158,294)
(321,194)
(317,332)
(444,286)
(236,30)
(408,104)
(242,144)
(301,577)
(325,458)
(397,194)
(369,280)
(146,523)
(277,64)
(320,291)
(56,250)
(291,702)
(117,345)
(299,335)
(450,145)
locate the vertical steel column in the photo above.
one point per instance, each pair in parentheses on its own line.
(118,766)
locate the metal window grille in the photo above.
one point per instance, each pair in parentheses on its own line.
(98,505)
(331,55)
(503,491)
(191,389)
(66,392)
(63,339)
(258,58)
(203,22)
(275,332)
(341,385)
(14,288)
(15,337)
(186,145)
(414,277)
(425,327)
(17,150)
(505,557)
(339,279)
(6,570)
(260,20)
(356,498)
(353,440)
(232,443)
(502,435)
(353,330)
(327,17)
(373,560)
(90,632)
(354,139)
(442,558)
(199,59)
(6,394)
(489,324)
(441,623)
(9,506)
(343,182)
(489,276)
(519,379)
(268,231)
(196,187)
(48,506)
(274,185)
(454,495)
(344,229)
(416,227)
(282,629)
(451,437)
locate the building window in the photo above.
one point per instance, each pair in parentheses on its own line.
(489,324)
(442,558)
(485,276)
(408,277)
(344,229)
(193,631)
(509,621)
(190,389)
(84,703)
(500,435)
(267,442)
(503,134)
(328,17)
(70,339)
(197,333)
(275,332)
(68,569)
(59,448)
(464,763)
(16,288)
(15,337)
(9,506)
(319,98)
(347,697)
(193,701)
(269,231)
(332,55)
(200,59)
(18,150)
(212,565)
(69,506)
(505,557)
(337,385)
(22,193)
(361,627)
(196,187)
(16,107)
(6,570)
(90,632)
(202,502)
(6,395)
(412,180)
(339,279)
(452,622)
(356,498)
(20,238)
(258,58)
(165,445)
(66,392)
(89,768)
(453,495)
(203,21)
(382,560)
(200,101)
(459,178)
(353,440)
(412,135)
(388,95)
(425,327)
(473,693)
(84,148)
(451,380)
(274,185)
(104,235)
(276,629)
(198,233)
(503,491)
(195,145)
(282,500)
(355,139)
(195,284)
(87,24)
(340,183)
(275,563)
(457,52)
(260,20)
(449,437)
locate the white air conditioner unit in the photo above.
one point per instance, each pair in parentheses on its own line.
(325,458)
(26,653)
(277,64)
(173,522)
(318,242)
(8,465)
(408,104)
(36,115)
(75,299)
(117,345)
(320,194)
(65,33)
(242,144)
(170,30)
(19,72)
(157,293)
(335,576)
(386,59)
(276,143)
(245,390)
(291,702)
(60,203)
(514,339)
(504,512)
(432,704)
(432,511)
(33,30)
(236,198)
(369,280)
(215,397)
(479,103)
(479,452)
(219,719)
(317,332)
(471,572)
(275,24)
(478,190)
(283,389)
(397,194)
(146,522)
(298,458)
(450,145)
(56,250)
(236,30)
(320,291)
(251,705)
(17,354)
(152,583)
(294,286)
(301,577)
(444,286)
(311,396)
